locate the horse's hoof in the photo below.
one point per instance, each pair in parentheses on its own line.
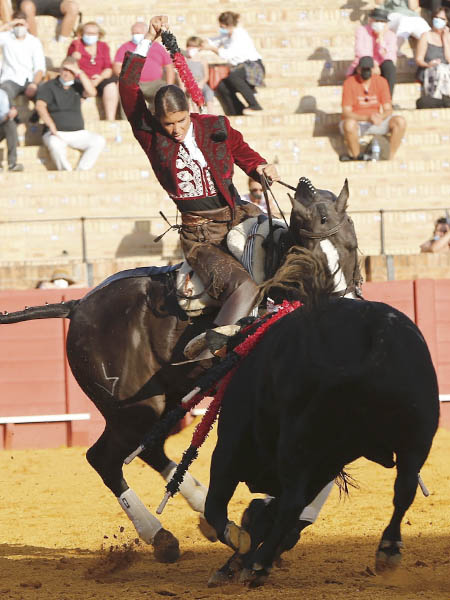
(207,530)
(218,578)
(166,547)
(388,556)
(237,538)
(253,578)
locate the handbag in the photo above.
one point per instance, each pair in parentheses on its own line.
(216,74)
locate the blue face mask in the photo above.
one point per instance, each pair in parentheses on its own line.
(90,39)
(223,31)
(137,37)
(439,23)
(66,83)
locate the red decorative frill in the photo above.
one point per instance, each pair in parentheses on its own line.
(188,79)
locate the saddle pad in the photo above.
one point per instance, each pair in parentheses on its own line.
(238,238)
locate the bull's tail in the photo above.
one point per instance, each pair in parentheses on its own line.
(62,310)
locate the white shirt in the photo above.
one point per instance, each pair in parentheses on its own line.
(192,148)
(4,105)
(22,58)
(237,48)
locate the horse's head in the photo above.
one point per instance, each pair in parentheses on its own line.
(319,222)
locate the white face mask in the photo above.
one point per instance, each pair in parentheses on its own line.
(191,52)
(439,23)
(67,83)
(137,37)
(378,26)
(20,31)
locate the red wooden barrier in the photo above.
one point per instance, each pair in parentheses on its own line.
(35,378)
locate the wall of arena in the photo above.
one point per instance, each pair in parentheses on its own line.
(36,382)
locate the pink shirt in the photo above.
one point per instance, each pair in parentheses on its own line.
(91,65)
(157,58)
(366,44)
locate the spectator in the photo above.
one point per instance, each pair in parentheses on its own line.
(247,72)
(379,42)
(8,130)
(256,196)
(65,10)
(200,70)
(59,280)
(433,61)
(23,59)
(440,241)
(158,69)
(59,106)
(404,20)
(94,59)
(431,5)
(367,109)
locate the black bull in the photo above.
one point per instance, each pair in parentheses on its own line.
(324,387)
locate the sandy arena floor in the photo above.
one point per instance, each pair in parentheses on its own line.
(58,524)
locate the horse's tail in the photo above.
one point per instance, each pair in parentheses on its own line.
(303,276)
(49,311)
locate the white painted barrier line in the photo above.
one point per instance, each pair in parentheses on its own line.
(45,418)
(444,397)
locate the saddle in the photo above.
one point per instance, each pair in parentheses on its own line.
(246,243)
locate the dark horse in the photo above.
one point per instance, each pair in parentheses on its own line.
(125,335)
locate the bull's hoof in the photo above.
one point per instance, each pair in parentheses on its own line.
(253,578)
(388,556)
(207,530)
(237,538)
(166,547)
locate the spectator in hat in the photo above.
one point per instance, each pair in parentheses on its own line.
(376,40)
(367,109)
(59,279)
(59,106)
(404,20)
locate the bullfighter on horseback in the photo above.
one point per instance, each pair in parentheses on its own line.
(193,158)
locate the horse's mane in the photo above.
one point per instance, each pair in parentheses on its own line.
(302,276)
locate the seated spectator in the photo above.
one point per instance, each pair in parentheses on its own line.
(247,72)
(367,109)
(94,59)
(158,68)
(256,196)
(23,59)
(200,70)
(8,130)
(440,242)
(404,20)
(431,5)
(59,106)
(433,61)
(65,10)
(379,42)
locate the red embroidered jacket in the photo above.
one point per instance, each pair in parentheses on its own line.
(221,145)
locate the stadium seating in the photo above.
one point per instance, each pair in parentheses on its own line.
(306,52)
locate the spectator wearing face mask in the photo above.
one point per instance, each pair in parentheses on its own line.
(440,242)
(94,59)
(59,106)
(158,68)
(379,42)
(200,70)
(404,20)
(8,130)
(433,61)
(65,10)
(23,59)
(367,109)
(256,196)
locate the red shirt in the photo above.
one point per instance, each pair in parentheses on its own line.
(354,94)
(157,58)
(91,65)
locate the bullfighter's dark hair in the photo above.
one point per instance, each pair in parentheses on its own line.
(169,99)
(303,276)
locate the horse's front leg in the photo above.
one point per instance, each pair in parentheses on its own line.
(106,456)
